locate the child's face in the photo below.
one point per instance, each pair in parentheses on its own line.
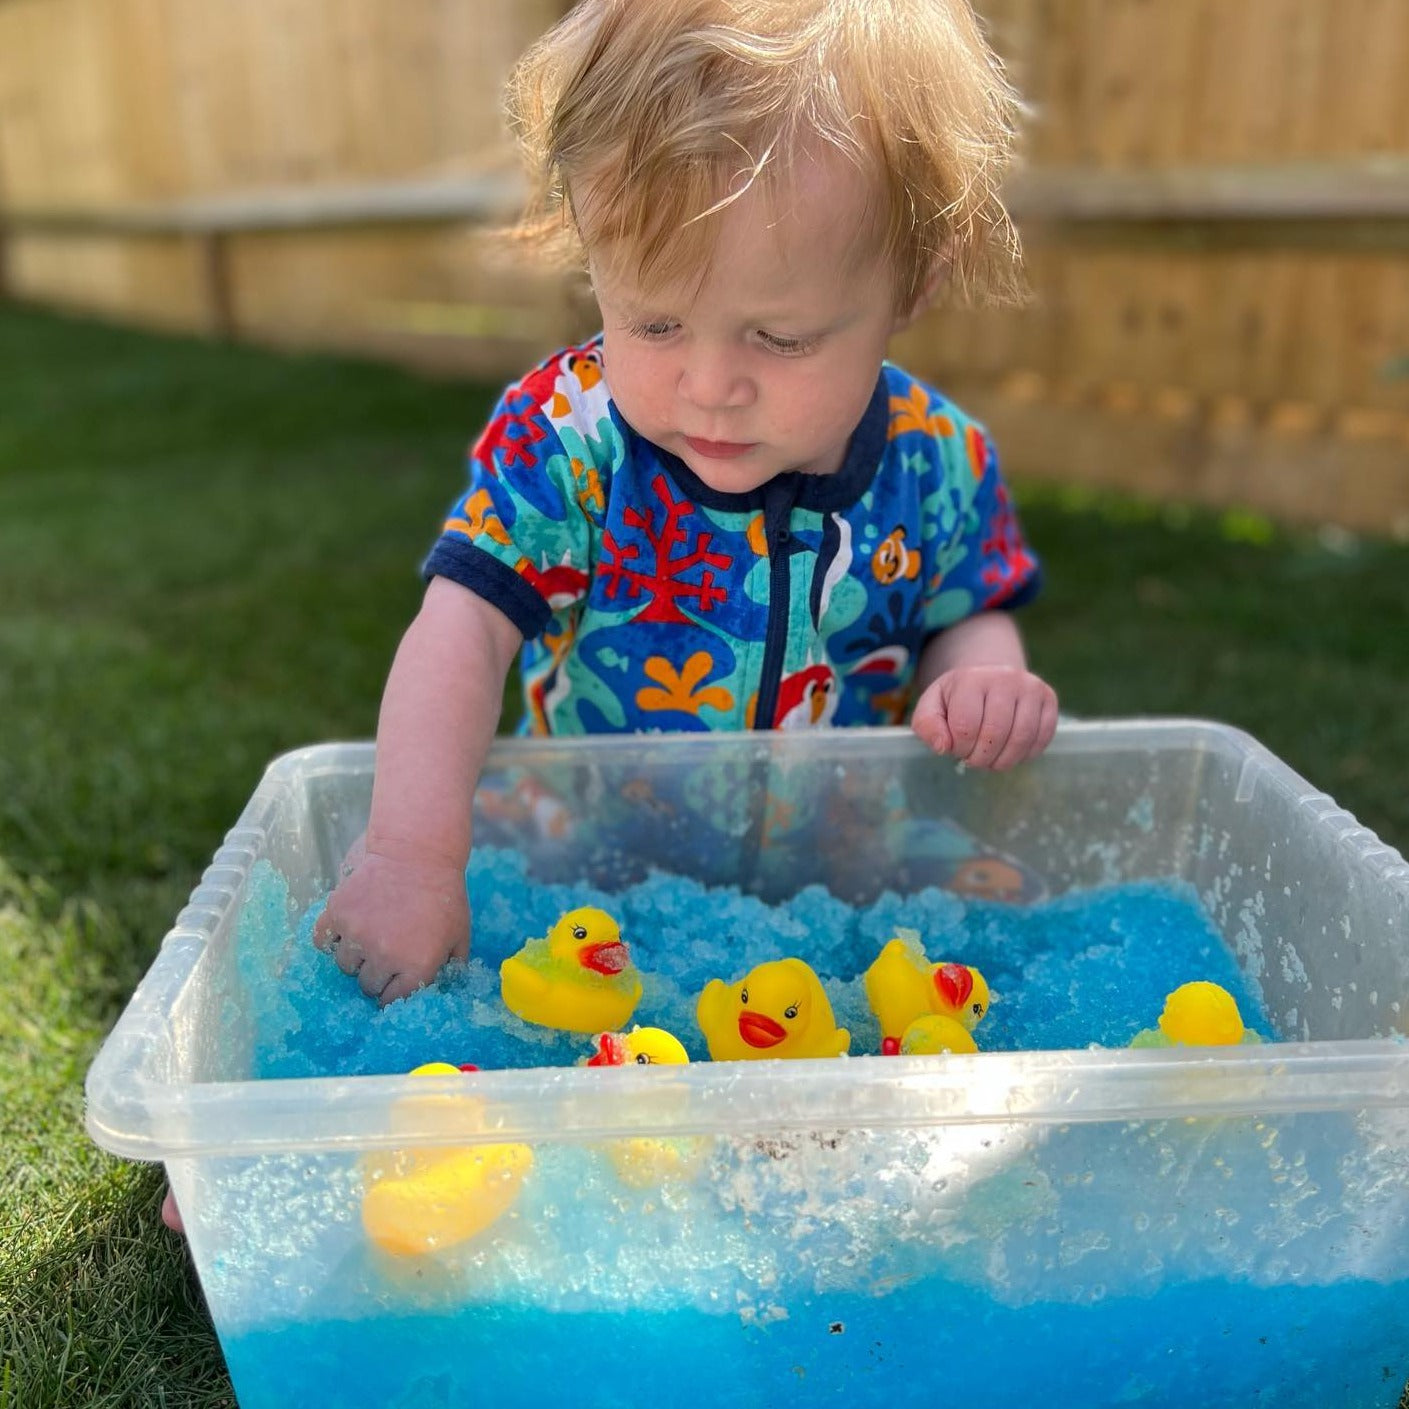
(767,365)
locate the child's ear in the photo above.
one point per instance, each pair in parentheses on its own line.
(934,284)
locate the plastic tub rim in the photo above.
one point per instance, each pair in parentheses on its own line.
(134,1114)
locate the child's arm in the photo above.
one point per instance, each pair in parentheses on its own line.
(977,699)
(401,911)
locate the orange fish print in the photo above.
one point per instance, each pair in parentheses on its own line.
(893,560)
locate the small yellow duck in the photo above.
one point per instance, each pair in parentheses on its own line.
(647,1161)
(579,977)
(645,1046)
(427,1200)
(1199,1014)
(936,1032)
(902,985)
(779,1010)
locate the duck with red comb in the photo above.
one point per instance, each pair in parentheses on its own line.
(902,985)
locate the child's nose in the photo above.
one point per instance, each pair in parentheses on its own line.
(711,379)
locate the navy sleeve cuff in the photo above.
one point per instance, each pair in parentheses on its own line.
(1030,589)
(484,575)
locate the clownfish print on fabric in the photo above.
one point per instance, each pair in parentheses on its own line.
(893,560)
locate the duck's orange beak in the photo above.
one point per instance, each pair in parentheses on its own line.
(604,958)
(760,1031)
(954,983)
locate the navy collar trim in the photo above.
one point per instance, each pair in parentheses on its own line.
(822,493)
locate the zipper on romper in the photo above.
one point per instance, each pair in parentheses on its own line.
(779,497)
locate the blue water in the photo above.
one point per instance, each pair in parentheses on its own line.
(1211,1345)
(1183,1263)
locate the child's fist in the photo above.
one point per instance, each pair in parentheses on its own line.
(988,716)
(393,922)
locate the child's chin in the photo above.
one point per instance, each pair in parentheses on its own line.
(730,476)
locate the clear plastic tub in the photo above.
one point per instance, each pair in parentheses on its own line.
(1215,1226)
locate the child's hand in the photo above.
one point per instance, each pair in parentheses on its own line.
(988,716)
(394,922)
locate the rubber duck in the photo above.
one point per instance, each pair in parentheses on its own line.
(779,1010)
(936,1032)
(902,985)
(424,1201)
(647,1161)
(579,977)
(645,1046)
(1198,1014)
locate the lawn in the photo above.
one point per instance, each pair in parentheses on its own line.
(206,557)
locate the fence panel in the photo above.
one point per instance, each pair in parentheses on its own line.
(1214,198)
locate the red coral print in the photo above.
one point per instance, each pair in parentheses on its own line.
(1006,559)
(665,583)
(510,437)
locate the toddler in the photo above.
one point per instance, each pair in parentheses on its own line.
(726,511)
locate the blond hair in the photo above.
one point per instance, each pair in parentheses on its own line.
(665,111)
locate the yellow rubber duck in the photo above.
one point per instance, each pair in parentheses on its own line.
(902,985)
(645,1046)
(1198,1014)
(779,1010)
(647,1161)
(936,1032)
(427,1200)
(579,977)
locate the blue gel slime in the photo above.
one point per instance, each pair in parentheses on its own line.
(1091,969)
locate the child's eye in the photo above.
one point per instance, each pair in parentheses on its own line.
(657,328)
(787,347)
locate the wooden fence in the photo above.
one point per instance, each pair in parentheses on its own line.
(1216,207)
(311,172)
(1215,199)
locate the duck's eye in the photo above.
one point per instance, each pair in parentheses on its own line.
(978,1010)
(642,1060)
(579,931)
(744,996)
(790,1011)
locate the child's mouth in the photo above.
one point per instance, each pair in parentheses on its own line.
(719,449)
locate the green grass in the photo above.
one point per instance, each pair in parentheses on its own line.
(207,556)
